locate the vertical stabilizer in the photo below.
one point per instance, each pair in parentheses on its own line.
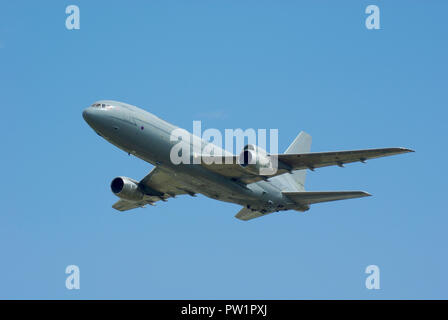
(295,181)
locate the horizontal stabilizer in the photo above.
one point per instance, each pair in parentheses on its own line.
(310,197)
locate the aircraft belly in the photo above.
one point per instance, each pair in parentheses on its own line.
(153,145)
(213,186)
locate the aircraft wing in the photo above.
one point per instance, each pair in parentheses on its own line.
(229,167)
(162,181)
(124,205)
(323,159)
(247,214)
(158,185)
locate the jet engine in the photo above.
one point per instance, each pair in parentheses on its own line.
(255,160)
(126,188)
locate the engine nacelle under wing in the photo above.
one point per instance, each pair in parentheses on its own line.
(127,189)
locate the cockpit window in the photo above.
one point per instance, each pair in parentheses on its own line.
(101,105)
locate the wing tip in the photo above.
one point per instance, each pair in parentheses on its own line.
(406,150)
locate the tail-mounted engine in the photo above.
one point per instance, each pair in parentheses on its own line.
(256,160)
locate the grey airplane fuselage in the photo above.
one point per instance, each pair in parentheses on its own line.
(148,137)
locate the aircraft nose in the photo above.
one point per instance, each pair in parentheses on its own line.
(98,118)
(85,114)
(90,116)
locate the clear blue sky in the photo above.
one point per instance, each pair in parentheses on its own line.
(289,65)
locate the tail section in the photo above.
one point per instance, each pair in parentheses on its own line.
(295,181)
(302,200)
(307,198)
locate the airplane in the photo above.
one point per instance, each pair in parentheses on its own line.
(238,181)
